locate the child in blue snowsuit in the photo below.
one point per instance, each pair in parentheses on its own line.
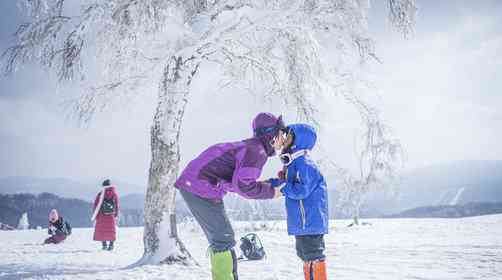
(306,198)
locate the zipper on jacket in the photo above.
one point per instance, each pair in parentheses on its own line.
(302,212)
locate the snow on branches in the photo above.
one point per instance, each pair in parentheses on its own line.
(302,51)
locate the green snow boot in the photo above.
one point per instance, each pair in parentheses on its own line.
(223,265)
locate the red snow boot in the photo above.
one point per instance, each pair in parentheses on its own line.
(315,270)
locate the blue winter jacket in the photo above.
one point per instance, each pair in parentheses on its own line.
(305,190)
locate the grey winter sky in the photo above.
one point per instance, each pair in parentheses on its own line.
(439,90)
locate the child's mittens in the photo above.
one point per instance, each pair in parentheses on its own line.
(281,179)
(275,182)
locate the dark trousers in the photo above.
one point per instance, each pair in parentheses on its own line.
(212,218)
(110,244)
(310,247)
(55,239)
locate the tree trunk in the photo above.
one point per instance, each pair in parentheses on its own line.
(161,241)
(357,211)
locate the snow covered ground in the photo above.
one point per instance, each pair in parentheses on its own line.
(469,248)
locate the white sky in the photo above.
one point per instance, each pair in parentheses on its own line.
(439,90)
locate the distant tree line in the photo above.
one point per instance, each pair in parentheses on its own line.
(12,207)
(77,211)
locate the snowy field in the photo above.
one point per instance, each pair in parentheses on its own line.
(469,248)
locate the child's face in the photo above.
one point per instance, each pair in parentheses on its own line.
(289,140)
(282,140)
(279,140)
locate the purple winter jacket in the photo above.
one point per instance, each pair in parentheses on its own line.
(229,167)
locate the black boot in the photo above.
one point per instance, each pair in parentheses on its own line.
(104,245)
(110,247)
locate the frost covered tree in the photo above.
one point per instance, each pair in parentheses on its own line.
(23,222)
(379,157)
(297,51)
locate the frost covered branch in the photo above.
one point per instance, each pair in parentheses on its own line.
(402,14)
(302,51)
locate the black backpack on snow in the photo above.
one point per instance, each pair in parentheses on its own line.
(108,206)
(251,247)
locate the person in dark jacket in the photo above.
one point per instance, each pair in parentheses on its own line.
(229,167)
(306,199)
(58,229)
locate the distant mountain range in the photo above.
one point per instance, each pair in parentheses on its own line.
(76,211)
(37,196)
(454,183)
(12,206)
(132,197)
(133,201)
(452,211)
(85,190)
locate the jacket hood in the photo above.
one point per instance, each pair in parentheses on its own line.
(305,137)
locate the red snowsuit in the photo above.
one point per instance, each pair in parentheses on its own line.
(105,228)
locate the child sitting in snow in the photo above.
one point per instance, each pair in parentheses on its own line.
(306,195)
(58,230)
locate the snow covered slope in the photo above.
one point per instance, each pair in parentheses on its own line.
(469,248)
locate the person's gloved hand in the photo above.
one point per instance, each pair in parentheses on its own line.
(275,182)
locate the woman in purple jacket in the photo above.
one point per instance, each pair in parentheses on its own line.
(229,167)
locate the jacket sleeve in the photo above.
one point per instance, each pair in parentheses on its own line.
(247,172)
(304,181)
(96,200)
